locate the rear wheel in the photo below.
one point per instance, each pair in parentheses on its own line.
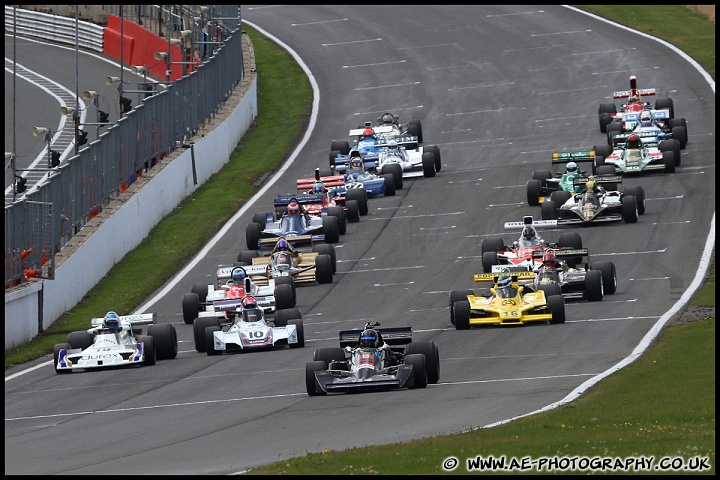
(389,181)
(669,161)
(81,340)
(252,236)
(353,210)
(339,213)
(331,229)
(489,259)
(283,317)
(542,175)
(593,285)
(665,104)
(609,275)
(492,244)
(328,354)
(325,249)
(560,197)
(323,269)
(190,307)
(288,280)
(246,256)
(639,194)
(534,191)
(284,297)
(613,129)
(261,219)
(432,358)
(415,129)
(343,146)
(396,170)
(359,195)
(548,210)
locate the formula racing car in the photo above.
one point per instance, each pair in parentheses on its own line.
(373,359)
(638,152)
(249,330)
(115,341)
(506,303)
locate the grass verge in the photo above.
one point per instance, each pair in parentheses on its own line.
(663,405)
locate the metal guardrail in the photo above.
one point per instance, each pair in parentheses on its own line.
(54,28)
(49,215)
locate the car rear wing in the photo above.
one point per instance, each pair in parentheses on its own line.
(647,138)
(308,199)
(643,92)
(305,184)
(357,132)
(599,180)
(583,156)
(391,336)
(528,220)
(139,319)
(562,252)
(493,277)
(296,241)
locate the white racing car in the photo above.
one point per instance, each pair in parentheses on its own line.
(248,330)
(233,283)
(114,341)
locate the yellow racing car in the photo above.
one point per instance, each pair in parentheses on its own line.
(505,304)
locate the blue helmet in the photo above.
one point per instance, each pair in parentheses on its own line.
(238,276)
(282,245)
(369,339)
(318,187)
(111,321)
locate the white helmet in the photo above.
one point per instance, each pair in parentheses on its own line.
(392,145)
(572,167)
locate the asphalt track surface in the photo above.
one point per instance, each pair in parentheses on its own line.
(497,88)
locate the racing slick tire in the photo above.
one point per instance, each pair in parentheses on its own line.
(432,358)
(331,229)
(287,280)
(325,249)
(607,108)
(201,289)
(605,119)
(300,333)
(639,193)
(488,260)
(325,172)
(260,218)
(252,235)
(680,134)
(435,150)
(323,269)
(678,122)
(341,145)
(629,209)
(593,285)
(311,384)
(81,339)
(190,307)
(428,164)
(210,341)
(550,289)
(548,210)
(612,129)
(148,349)
(609,275)
(245,257)
(328,354)
(556,305)
(669,162)
(165,340)
(360,195)
(353,210)
(199,326)
(457,296)
(607,170)
(534,191)
(560,197)
(389,180)
(284,297)
(462,315)
(571,240)
(419,374)
(56,357)
(671,145)
(282,317)
(492,244)
(339,213)
(396,170)
(542,175)
(415,129)
(665,103)
(333,156)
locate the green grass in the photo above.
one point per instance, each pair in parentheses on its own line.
(661,405)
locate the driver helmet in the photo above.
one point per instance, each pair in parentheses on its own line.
(238,276)
(646,118)
(293,208)
(590,186)
(318,187)
(571,167)
(111,321)
(549,259)
(392,145)
(250,310)
(633,141)
(529,233)
(282,245)
(387,118)
(367,133)
(504,281)
(633,99)
(356,163)
(369,339)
